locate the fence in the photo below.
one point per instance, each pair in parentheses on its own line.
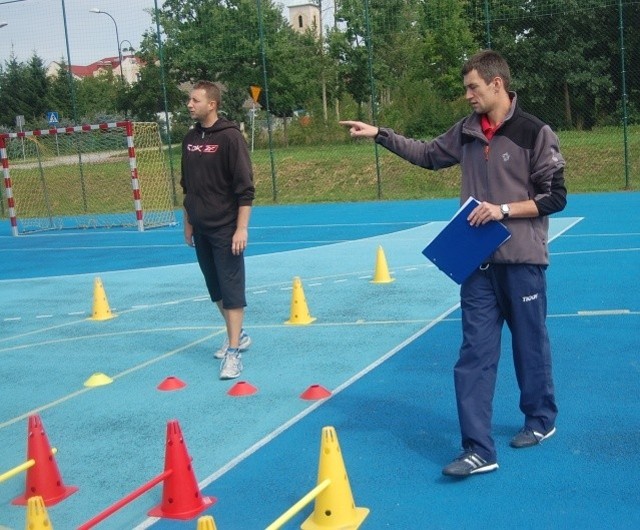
(390,62)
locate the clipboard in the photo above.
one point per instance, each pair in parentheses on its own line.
(460,248)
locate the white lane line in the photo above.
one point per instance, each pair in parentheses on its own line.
(289,423)
(77,393)
(601,312)
(600,251)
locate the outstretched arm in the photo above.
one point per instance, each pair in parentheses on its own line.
(358,129)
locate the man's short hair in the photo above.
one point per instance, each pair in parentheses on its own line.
(211,89)
(489,64)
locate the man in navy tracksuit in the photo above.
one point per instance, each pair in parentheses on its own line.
(510,162)
(217,181)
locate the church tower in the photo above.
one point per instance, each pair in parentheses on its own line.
(305,17)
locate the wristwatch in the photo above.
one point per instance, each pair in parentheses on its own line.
(504,208)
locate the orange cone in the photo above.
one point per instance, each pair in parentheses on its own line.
(181,497)
(242,388)
(171,383)
(315,392)
(43,478)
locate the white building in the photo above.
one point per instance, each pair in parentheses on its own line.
(130,68)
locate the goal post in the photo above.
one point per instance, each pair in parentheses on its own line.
(89,176)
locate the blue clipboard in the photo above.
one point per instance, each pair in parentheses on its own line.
(460,248)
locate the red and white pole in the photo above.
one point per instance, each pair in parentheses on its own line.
(8,186)
(135,183)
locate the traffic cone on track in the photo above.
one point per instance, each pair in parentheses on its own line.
(181,497)
(101,309)
(43,478)
(37,517)
(334,507)
(299,311)
(381,274)
(206,523)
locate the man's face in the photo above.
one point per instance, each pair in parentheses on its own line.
(481,96)
(200,107)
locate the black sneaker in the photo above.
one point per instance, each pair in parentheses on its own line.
(527,437)
(467,464)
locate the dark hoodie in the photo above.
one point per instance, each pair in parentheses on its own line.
(216,175)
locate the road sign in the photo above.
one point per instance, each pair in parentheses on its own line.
(52,118)
(255,92)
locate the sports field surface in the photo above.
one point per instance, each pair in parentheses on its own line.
(384,352)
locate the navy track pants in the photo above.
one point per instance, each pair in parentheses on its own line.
(515,294)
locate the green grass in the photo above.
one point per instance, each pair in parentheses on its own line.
(595,159)
(348,172)
(99,188)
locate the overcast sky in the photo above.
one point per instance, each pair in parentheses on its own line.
(38,26)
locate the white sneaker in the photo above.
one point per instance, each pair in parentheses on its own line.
(231,365)
(245,342)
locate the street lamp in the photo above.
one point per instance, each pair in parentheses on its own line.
(96,10)
(129,49)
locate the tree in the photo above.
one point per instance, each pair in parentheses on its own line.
(97,97)
(293,69)
(60,95)
(233,53)
(37,87)
(12,100)
(562,67)
(449,41)
(146,97)
(418,48)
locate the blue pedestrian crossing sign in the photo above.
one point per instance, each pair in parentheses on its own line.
(52,118)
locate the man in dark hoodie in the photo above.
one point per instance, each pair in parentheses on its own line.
(217,182)
(511,162)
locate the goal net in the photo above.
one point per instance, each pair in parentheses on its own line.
(89,176)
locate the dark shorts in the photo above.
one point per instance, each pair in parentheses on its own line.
(223,272)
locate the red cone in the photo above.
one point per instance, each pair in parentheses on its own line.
(315,392)
(181,497)
(43,478)
(171,383)
(242,388)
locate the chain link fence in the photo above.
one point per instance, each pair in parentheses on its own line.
(291,70)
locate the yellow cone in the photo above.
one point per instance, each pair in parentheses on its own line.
(334,506)
(299,311)
(37,518)
(206,523)
(381,274)
(98,379)
(101,310)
